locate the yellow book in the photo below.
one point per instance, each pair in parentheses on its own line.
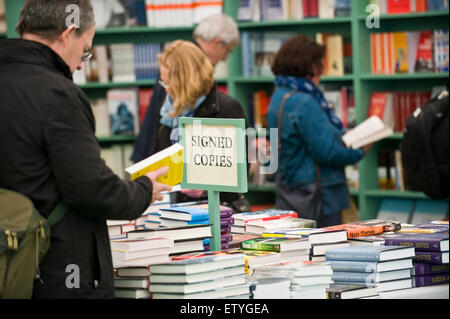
(171,157)
(400,52)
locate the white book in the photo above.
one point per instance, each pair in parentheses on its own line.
(327,9)
(297,9)
(101,116)
(246,10)
(122,62)
(142,244)
(369,131)
(204,9)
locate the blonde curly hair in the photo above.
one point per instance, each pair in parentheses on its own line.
(190,71)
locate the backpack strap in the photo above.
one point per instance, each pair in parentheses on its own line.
(57,214)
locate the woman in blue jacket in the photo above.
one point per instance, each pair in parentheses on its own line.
(311,134)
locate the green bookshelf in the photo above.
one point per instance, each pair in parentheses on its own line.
(368,196)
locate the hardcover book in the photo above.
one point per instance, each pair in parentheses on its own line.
(428,269)
(370,266)
(370,253)
(175,233)
(370,278)
(171,157)
(430,280)
(240,219)
(423,242)
(259,227)
(367,227)
(314,235)
(344,291)
(431,257)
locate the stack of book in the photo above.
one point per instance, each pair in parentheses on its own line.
(131,259)
(385,267)
(118,229)
(264,287)
(188,238)
(289,248)
(367,227)
(320,239)
(308,279)
(198,214)
(431,255)
(207,276)
(241,219)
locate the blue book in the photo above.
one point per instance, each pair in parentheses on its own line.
(370,278)
(370,266)
(421,241)
(370,253)
(185,213)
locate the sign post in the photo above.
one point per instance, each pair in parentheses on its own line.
(215,160)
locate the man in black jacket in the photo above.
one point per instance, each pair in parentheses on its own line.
(50,152)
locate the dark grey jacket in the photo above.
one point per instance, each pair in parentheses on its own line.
(50,153)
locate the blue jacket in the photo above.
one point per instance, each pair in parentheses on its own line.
(308,137)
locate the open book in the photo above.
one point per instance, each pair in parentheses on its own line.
(171,156)
(369,131)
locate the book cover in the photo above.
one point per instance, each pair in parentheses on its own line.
(398,6)
(423,242)
(370,253)
(382,105)
(314,235)
(335,55)
(400,52)
(123,111)
(275,244)
(171,157)
(424,55)
(367,228)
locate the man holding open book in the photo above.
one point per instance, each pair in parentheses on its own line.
(50,152)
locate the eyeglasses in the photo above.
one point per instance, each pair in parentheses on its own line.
(86,56)
(163,84)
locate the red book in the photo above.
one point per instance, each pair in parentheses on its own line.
(424,60)
(398,6)
(305,5)
(314,8)
(421,5)
(144,101)
(378,102)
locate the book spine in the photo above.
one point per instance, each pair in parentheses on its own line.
(334,255)
(428,269)
(348,266)
(260,246)
(354,277)
(429,257)
(418,244)
(430,280)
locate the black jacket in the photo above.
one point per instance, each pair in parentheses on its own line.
(50,153)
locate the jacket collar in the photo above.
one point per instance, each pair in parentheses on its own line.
(32,52)
(210,105)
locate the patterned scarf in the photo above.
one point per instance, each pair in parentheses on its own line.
(306,86)
(166,109)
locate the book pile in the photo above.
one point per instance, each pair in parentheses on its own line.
(320,239)
(431,255)
(308,279)
(118,229)
(188,238)
(385,267)
(179,215)
(202,276)
(242,219)
(131,259)
(261,226)
(289,248)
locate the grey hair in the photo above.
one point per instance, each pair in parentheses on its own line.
(48,18)
(218,26)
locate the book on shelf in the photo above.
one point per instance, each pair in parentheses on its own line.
(3,26)
(314,235)
(371,266)
(197,263)
(367,227)
(369,131)
(345,291)
(259,227)
(240,219)
(382,105)
(175,233)
(334,54)
(341,100)
(276,244)
(171,156)
(123,111)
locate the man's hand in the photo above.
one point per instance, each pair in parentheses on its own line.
(158,187)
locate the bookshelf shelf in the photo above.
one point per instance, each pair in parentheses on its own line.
(109,85)
(269,80)
(290,23)
(414,76)
(408,16)
(380,193)
(116,139)
(131,30)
